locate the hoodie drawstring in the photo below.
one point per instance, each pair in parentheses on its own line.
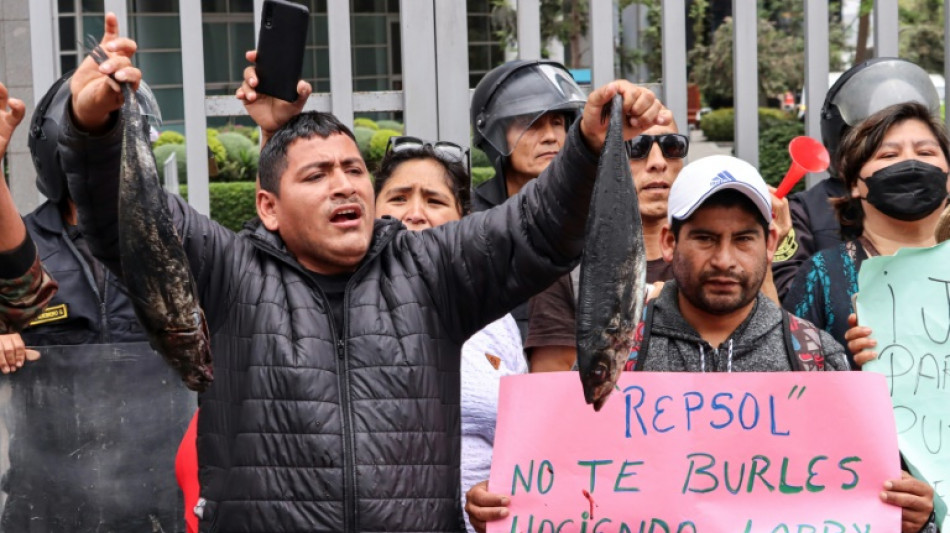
(702,359)
(729,358)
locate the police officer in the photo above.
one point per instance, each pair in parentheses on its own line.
(860,92)
(94,423)
(521,112)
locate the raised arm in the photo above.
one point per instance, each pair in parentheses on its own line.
(25,287)
(90,147)
(493,260)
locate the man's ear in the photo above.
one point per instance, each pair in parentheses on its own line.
(267,208)
(667,242)
(771,242)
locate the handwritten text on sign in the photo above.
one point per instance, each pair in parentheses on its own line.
(791,452)
(905,299)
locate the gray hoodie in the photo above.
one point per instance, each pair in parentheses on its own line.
(757,345)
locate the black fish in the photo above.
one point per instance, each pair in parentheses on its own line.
(155,268)
(613,269)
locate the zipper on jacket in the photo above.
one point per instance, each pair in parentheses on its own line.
(104,336)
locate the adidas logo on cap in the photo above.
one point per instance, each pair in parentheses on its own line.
(722,177)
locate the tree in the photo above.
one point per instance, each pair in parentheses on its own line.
(921,34)
(781,46)
(571,30)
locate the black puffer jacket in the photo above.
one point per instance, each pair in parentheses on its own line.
(308,429)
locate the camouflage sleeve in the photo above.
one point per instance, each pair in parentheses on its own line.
(23,295)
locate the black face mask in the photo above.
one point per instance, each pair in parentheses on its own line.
(909,190)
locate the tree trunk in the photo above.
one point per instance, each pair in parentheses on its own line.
(861,51)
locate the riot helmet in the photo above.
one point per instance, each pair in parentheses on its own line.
(44,135)
(523,89)
(44,132)
(870,87)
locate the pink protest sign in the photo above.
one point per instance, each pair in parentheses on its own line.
(791,452)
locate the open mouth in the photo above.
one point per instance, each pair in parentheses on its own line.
(344,215)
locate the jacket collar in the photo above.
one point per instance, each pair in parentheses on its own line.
(270,242)
(493,192)
(48,219)
(762,319)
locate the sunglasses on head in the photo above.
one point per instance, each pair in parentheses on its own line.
(672,145)
(448,151)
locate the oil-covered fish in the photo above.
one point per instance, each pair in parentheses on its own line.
(613,269)
(156,271)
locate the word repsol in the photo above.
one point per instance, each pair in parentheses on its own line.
(721,411)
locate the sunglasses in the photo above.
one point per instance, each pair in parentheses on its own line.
(672,145)
(447,151)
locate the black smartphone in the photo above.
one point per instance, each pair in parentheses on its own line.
(280,47)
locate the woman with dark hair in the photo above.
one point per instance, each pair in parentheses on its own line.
(894,166)
(426,185)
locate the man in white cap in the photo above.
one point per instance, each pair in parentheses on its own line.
(713,316)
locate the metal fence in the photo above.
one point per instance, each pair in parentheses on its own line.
(435,95)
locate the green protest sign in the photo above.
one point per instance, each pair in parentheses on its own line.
(905,300)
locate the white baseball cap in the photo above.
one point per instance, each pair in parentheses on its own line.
(704,177)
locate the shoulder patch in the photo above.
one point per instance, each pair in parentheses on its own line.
(494,360)
(53,313)
(787,248)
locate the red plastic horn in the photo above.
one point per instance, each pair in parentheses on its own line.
(808,155)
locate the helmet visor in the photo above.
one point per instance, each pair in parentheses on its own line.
(884,84)
(527,95)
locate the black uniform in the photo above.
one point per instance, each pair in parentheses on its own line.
(96,421)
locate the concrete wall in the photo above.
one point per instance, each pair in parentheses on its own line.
(16,72)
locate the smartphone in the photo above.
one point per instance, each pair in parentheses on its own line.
(280,48)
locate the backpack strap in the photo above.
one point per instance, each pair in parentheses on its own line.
(802,343)
(639,353)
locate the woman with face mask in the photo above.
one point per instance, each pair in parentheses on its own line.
(894,165)
(426,185)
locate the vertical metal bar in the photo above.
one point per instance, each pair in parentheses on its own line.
(674,61)
(341,61)
(746,80)
(529,28)
(121,10)
(451,51)
(42,37)
(885,28)
(417,25)
(816,72)
(601,42)
(171,174)
(193,77)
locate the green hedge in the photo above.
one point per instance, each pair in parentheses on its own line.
(480,158)
(363,137)
(232,204)
(377,147)
(169,137)
(481,175)
(363,122)
(162,153)
(242,158)
(773,150)
(391,125)
(718,125)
